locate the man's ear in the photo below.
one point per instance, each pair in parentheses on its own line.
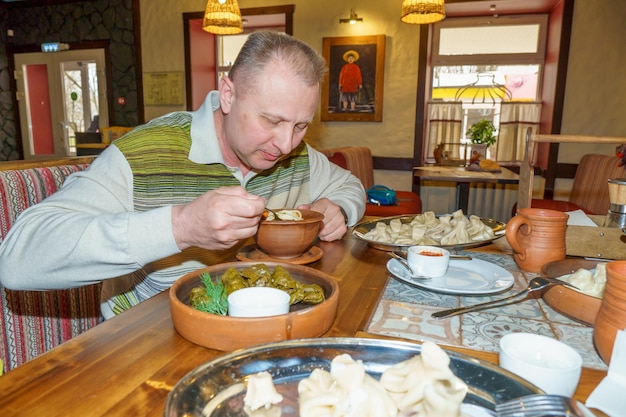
(227,94)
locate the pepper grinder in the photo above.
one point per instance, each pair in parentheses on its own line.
(616,217)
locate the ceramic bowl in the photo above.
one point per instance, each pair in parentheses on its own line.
(548,363)
(286,239)
(428,261)
(229,333)
(573,304)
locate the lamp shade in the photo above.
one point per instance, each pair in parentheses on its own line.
(423,11)
(222,17)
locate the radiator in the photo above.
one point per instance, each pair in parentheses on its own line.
(493,201)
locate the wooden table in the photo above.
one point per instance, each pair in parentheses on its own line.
(127,365)
(463,178)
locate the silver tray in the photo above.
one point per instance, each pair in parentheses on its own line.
(222,380)
(360,229)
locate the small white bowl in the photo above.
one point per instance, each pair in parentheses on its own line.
(545,362)
(428,261)
(258,302)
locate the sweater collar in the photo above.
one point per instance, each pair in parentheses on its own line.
(205,148)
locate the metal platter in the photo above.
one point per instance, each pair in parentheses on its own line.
(217,388)
(359,230)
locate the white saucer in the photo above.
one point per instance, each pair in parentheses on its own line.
(473,277)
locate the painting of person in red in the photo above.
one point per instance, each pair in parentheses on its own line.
(350,80)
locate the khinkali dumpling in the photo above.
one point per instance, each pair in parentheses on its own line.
(457,235)
(424,386)
(346,391)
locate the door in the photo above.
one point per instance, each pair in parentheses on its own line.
(60,94)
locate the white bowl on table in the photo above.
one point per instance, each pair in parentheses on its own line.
(547,363)
(428,261)
(258,302)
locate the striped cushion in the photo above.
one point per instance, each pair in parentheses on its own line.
(32,322)
(358,159)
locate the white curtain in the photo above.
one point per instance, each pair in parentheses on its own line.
(444,126)
(515,119)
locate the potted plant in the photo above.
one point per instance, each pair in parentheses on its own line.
(482,135)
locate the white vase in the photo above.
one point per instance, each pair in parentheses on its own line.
(479,148)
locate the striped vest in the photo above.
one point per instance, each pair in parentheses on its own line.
(163,174)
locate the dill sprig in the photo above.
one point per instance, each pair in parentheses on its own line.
(217,299)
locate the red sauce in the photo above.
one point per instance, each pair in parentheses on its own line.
(428,253)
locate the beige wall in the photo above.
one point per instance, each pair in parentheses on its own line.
(162,48)
(596,86)
(595,97)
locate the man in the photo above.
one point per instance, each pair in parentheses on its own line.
(185,189)
(350,81)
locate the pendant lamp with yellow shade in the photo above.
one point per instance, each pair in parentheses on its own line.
(222,17)
(423,11)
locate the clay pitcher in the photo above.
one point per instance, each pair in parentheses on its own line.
(612,314)
(537,237)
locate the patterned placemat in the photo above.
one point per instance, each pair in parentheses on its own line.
(405,311)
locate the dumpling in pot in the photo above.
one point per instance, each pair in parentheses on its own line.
(599,276)
(582,279)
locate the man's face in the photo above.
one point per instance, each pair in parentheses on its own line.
(350,59)
(267,123)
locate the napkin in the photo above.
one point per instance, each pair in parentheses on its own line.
(579,218)
(609,395)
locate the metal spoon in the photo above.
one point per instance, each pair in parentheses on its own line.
(406,265)
(535,284)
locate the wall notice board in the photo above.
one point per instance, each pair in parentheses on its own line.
(163,88)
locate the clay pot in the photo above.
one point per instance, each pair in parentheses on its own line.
(537,237)
(612,314)
(570,302)
(228,333)
(287,239)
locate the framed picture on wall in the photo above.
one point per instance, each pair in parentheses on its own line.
(353,88)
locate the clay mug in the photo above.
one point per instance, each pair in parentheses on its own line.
(612,313)
(537,237)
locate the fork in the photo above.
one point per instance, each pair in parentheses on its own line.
(540,405)
(535,284)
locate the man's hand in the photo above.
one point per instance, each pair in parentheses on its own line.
(217,219)
(334,224)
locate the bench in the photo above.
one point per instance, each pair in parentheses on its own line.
(33,322)
(358,160)
(590,191)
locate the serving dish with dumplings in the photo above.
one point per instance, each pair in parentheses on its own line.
(454,231)
(222,381)
(588,275)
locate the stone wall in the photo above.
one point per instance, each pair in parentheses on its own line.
(77,22)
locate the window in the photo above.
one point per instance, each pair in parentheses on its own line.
(485,68)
